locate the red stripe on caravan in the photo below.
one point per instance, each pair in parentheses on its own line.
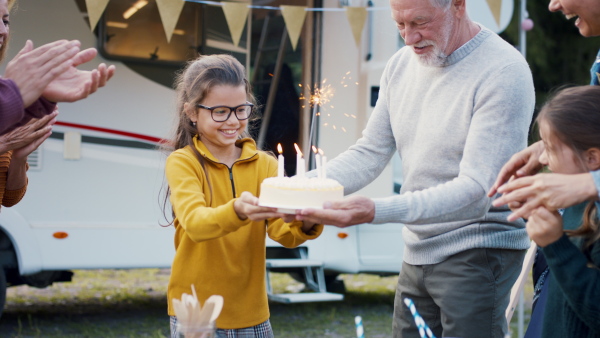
(112,131)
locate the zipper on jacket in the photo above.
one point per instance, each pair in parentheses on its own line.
(231,179)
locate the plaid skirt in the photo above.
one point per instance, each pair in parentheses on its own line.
(262,330)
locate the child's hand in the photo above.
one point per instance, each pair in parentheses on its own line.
(246,206)
(544,227)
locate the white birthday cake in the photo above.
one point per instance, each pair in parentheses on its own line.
(291,193)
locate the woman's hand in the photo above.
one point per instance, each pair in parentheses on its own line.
(33,69)
(36,130)
(552,191)
(524,163)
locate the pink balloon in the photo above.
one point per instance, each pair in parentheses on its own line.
(527,24)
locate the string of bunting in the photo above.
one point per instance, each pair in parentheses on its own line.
(237,12)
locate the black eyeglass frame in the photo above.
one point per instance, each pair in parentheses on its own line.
(231,110)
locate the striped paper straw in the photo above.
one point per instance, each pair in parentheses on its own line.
(423,328)
(360,331)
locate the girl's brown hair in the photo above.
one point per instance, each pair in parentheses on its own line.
(573,115)
(192,86)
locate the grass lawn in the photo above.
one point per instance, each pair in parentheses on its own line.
(132,303)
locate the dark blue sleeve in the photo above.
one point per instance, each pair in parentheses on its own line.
(577,278)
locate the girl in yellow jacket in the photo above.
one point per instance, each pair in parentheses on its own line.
(214,176)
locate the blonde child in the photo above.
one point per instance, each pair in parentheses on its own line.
(214,175)
(569,127)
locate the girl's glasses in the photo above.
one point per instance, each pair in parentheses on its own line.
(223,113)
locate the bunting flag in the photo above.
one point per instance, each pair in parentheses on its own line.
(495,7)
(356,17)
(95,8)
(294,20)
(169,11)
(236,14)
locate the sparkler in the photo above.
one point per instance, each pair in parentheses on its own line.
(319,96)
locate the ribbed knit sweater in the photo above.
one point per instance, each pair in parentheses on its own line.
(8,197)
(454,127)
(12,111)
(573,305)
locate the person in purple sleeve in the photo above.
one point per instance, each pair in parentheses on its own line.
(38,78)
(33,82)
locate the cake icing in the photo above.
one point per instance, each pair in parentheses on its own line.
(293,193)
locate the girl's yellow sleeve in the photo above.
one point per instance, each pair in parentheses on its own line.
(189,194)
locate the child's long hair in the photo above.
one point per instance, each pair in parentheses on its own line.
(574,118)
(193,84)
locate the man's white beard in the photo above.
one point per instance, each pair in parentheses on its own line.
(435,58)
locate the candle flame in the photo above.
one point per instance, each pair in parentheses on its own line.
(279,150)
(321,151)
(314,149)
(297,149)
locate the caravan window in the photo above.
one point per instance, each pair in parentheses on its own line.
(132,31)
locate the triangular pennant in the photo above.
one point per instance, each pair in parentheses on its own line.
(356,17)
(495,7)
(169,11)
(294,19)
(95,8)
(236,14)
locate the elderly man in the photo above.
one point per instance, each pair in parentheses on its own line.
(552,190)
(456,103)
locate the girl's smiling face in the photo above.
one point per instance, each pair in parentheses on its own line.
(559,157)
(220,136)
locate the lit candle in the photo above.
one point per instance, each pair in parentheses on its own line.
(323,163)
(299,162)
(279,161)
(318,161)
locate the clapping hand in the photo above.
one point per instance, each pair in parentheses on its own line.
(74,84)
(25,139)
(33,69)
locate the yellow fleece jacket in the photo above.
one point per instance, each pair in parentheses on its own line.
(216,251)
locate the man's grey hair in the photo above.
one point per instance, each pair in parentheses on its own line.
(444,4)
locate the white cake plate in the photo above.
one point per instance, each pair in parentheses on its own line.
(285,209)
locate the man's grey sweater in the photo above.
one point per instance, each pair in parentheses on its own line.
(454,127)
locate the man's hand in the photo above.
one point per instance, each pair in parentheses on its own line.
(33,69)
(544,227)
(75,84)
(347,212)
(524,163)
(34,130)
(551,191)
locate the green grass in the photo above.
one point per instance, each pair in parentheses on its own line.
(132,303)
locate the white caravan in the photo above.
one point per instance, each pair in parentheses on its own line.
(95,199)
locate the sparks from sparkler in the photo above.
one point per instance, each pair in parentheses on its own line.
(318,96)
(345,82)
